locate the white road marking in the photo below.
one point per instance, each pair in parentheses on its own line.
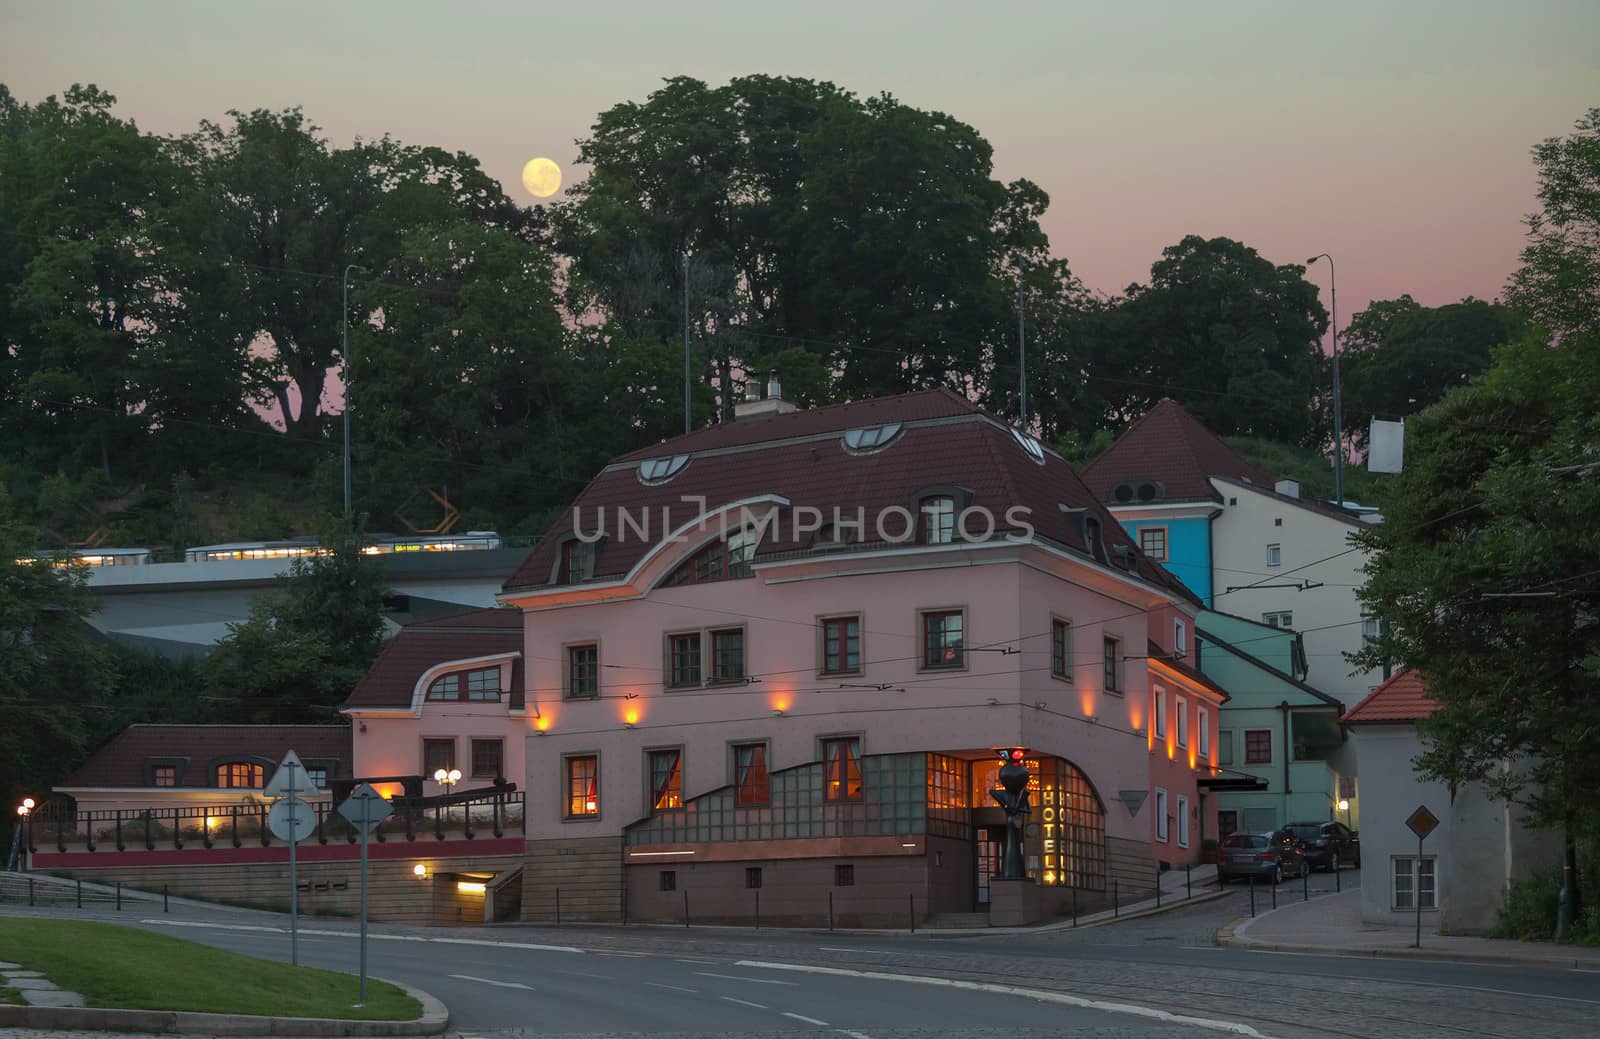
(491,981)
(377,937)
(1042,995)
(744,1002)
(807,1020)
(675,988)
(841,1031)
(836,948)
(753,981)
(691,959)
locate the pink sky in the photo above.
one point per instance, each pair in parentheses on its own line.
(1393,135)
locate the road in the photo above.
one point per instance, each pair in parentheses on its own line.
(612,981)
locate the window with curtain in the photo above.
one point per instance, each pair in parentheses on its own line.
(841,769)
(666,780)
(583,786)
(242,775)
(943,639)
(751,784)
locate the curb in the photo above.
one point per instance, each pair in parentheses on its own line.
(1233,940)
(435,1018)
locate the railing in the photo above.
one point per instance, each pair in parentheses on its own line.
(62,829)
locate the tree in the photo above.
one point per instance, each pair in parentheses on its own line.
(303,649)
(1232,337)
(1398,357)
(1558,284)
(54,678)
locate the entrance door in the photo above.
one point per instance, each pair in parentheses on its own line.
(991,843)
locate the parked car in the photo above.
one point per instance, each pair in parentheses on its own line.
(1268,857)
(1327,845)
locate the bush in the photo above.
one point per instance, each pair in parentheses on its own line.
(1530,910)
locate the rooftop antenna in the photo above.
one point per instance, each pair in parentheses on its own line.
(1022,361)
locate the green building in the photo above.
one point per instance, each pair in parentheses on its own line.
(1276,728)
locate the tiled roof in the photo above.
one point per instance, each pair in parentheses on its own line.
(1328,509)
(418,646)
(946,442)
(121,763)
(1402,698)
(1169,446)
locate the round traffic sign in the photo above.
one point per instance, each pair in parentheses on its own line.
(292,819)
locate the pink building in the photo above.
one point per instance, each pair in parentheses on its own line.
(763,667)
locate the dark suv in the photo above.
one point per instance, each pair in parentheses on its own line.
(1327,845)
(1267,857)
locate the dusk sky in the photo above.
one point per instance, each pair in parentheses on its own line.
(1393,135)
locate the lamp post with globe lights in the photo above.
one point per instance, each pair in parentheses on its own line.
(447,777)
(24,824)
(1344,806)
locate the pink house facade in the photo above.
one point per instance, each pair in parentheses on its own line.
(763,668)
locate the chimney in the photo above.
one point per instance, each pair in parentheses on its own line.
(753,406)
(1287,488)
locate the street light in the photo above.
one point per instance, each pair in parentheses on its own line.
(344,317)
(447,778)
(1344,806)
(1338,417)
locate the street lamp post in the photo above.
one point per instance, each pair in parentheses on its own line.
(344,317)
(1338,418)
(19,843)
(1344,806)
(447,777)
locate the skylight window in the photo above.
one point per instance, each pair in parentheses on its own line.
(869,438)
(1030,445)
(660,470)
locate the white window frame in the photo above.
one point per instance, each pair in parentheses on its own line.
(1288,619)
(1275,554)
(1414,881)
(1180,638)
(1183,821)
(1161,712)
(1161,816)
(1181,710)
(1203,723)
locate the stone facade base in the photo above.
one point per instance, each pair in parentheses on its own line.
(575,880)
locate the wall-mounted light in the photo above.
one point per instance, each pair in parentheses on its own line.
(420,871)
(471,887)
(777,712)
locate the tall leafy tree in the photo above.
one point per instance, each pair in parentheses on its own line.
(1398,357)
(1558,284)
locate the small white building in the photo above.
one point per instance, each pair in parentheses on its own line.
(1462,869)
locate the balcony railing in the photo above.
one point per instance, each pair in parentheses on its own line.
(62,829)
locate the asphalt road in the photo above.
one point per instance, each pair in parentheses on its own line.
(612,981)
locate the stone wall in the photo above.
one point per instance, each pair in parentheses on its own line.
(585,871)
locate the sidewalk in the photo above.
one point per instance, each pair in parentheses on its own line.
(1332,925)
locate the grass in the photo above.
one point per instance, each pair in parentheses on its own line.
(129,969)
(9,995)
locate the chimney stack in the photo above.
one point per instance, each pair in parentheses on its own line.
(1287,488)
(753,406)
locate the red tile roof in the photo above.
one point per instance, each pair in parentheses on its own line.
(427,643)
(946,442)
(198,748)
(1402,698)
(1169,446)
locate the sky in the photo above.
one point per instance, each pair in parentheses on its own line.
(1394,136)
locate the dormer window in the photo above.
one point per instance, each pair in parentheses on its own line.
(718,561)
(241,775)
(654,471)
(871,438)
(1029,445)
(577,561)
(479,685)
(1091,538)
(937,520)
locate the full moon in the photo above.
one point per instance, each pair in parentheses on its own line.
(541,177)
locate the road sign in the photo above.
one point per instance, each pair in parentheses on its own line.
(366,809)
(1422,822)
(289,780)
(292,820)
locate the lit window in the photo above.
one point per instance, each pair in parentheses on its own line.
(938,520)
(1274,555)
(1414,883)
(684,659)
(437,754)
(482,684)
(488,759)
(727,655)
(1283,619)
(752,787)
(583,786)
(666,780)
(841,769)
(1061,649)
(1161,815)
(1258,746)
(1111,649)
(1153,543)
(943,639)
(583,671)
(164,775)
(841,645)
(240,775)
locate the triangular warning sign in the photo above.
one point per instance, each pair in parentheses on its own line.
(288,769)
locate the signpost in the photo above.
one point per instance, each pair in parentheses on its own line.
(292,820)
(1421,822)
(365,810)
